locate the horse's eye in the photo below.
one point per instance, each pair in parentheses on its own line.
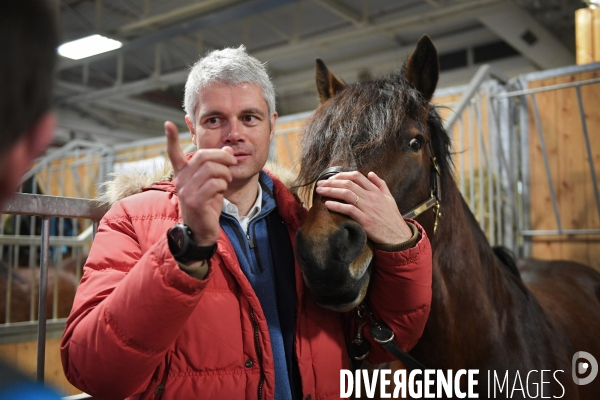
(415,144)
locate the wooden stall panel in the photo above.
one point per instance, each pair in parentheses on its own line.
(23,356)
(287,143)
(70,177)
(149,151)
(569,167)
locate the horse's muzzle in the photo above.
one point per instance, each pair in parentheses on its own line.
(335,265)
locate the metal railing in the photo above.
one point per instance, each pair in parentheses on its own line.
(497,184)
(46,207)
(521,98)
(483,171)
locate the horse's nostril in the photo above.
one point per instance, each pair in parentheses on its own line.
(355,233)
(349,241)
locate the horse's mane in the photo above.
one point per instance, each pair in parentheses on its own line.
(508,259)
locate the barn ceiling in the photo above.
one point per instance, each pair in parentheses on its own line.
(126,94)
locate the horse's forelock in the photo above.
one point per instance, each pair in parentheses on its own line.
(355,124)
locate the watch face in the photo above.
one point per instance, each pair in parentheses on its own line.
(177,238)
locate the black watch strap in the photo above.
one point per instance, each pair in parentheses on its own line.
(198,253)
(184,248)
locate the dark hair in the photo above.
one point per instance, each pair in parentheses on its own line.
(28,41)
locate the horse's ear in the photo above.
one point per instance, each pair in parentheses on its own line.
(327,84)
(423,68)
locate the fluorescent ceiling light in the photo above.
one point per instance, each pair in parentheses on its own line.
(88,46)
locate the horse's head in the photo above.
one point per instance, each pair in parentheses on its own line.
(380,126)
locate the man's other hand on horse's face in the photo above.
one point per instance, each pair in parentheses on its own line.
(368,201)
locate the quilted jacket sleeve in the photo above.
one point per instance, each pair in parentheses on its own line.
(400,295)
(129,308)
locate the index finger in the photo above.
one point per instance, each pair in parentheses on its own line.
(356,177)
(380,183)
(173,149)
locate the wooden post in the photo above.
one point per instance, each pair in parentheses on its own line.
(587,35)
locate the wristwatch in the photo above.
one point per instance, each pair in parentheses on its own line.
(184,248)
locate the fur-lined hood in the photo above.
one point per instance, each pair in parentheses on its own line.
(123,185)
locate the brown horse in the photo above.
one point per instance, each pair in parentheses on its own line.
(24,280)
(484,315)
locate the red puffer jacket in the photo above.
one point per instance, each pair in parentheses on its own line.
(139,322)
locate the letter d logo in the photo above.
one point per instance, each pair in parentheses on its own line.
(581,367)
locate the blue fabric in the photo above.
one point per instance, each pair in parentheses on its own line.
(16,385)
(28,391)
(256,261)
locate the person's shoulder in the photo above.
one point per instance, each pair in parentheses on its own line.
(152,202)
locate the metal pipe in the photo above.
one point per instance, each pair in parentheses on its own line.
(561,232)
(2,218)
(471,160)
(548,88)
(30,204)
(481,159)
(481,75)
(525,173)
(489,167)
(498,171)
(8,293)
(12,266)
(41,354)
(33,253)
(57,266)
(26,240)
(461,139)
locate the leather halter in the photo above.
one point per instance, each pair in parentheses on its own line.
(433,202)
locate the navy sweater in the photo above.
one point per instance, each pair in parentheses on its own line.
(265,255)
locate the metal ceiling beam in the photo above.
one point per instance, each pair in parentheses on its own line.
(379,61)
(275,29)
(173,15)
(67,122)
(515,25)
(86,111)
(128,89)
(135,107)
(456,12)
(460,11)
(343,11)
(133,8)
(230,13)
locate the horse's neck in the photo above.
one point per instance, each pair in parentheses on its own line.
(470,289)
(463,257)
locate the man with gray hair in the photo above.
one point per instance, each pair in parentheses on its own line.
(191,289)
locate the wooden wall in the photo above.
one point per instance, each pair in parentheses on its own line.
(287,146)
(62,178)
(571,175)
(24,357)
